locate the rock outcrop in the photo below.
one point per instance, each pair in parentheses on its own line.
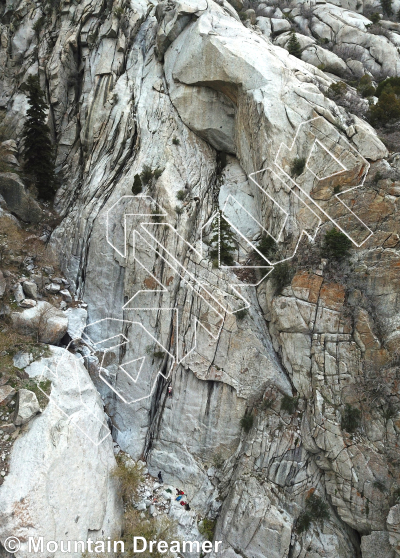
(284,390)
(60,471)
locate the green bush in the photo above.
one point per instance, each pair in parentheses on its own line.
(176,141)
(129,475)
(298,166)
(387,109)
(365,87)
(181,195)
(155,353)
(316,511)
(146,175)
(336,245)
(293,45)
(246,422)
(375,18)
(267,246)
(267,404)
(137,185)
(118,12)
(393,82)
(207,528)
(289,404)
(351,419)
(337,90)
(281,276)
(241,314)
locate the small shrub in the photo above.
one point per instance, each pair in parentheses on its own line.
(336,189)
(316,511)
(156,217)
(118,12)
(267,246)
(387,109)
(377,177)
(129,475)
(207,528)
(281,276)
(137,185)
(337,90)
(243,16)
(176,141)
(293,45)
(181,195)
(351,419)
(241,314)
(154,528)
(365,87)
(393,82)
(267,404)
(336,245)
(375,18)
(146,175)
(155,353)
(379,485)
(289,404)
(246,422)
(298,166)
(303,522)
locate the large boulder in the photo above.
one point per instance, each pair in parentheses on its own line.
(60,465)
(30,289)
(324,59)
(6,394)
(77,318)
(18,200)
(376,545)
(47,323)
(27,407)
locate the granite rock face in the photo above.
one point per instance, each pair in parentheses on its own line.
(60,475)
(277,392)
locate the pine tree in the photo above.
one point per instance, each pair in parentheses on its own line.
(39,158)
(387,7)
(293,45)
(222,241)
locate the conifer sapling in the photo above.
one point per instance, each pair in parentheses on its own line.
(39,157)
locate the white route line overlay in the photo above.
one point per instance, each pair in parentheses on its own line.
(177,264)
